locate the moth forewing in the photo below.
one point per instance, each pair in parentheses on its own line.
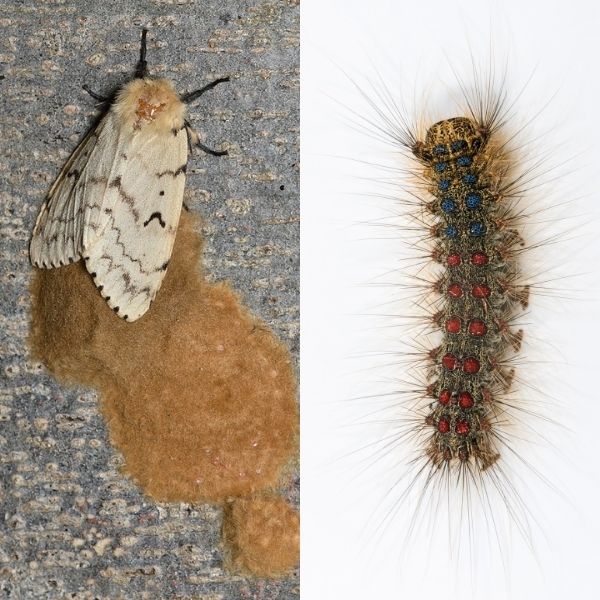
(138,220)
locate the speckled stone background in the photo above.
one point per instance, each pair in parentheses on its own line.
(70,525)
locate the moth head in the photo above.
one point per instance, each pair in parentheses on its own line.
(151,104)
(450,139)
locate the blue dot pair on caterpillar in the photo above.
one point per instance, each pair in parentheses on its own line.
(476,229)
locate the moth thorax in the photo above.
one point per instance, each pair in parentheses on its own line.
(451,139)
(151,102)
(147,110)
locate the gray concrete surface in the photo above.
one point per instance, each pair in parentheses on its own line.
(70,525)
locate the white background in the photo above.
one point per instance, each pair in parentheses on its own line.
(345,256)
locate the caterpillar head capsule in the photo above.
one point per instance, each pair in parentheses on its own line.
(451,139)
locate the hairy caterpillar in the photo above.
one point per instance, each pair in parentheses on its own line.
(461,210)
(441,512)
(477,241)
(117,201)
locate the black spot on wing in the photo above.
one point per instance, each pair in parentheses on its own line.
(158,216)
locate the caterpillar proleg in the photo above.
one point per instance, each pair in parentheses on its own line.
(117,201)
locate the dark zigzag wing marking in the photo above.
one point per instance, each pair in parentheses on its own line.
(127,199)
(112,226)
(123,293)
(173,173)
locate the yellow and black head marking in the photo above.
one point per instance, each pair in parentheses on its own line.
(451,140)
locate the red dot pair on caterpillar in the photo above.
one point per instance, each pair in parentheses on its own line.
(479,290)
(478,259)
(462,427)
(476,327)
(464,399)
(470,365)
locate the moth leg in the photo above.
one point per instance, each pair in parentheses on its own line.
(94,95)
(194,141)
(210,150)
(191,96)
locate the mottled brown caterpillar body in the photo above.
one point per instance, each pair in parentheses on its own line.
(477,297)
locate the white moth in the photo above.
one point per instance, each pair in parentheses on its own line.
(117,200)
